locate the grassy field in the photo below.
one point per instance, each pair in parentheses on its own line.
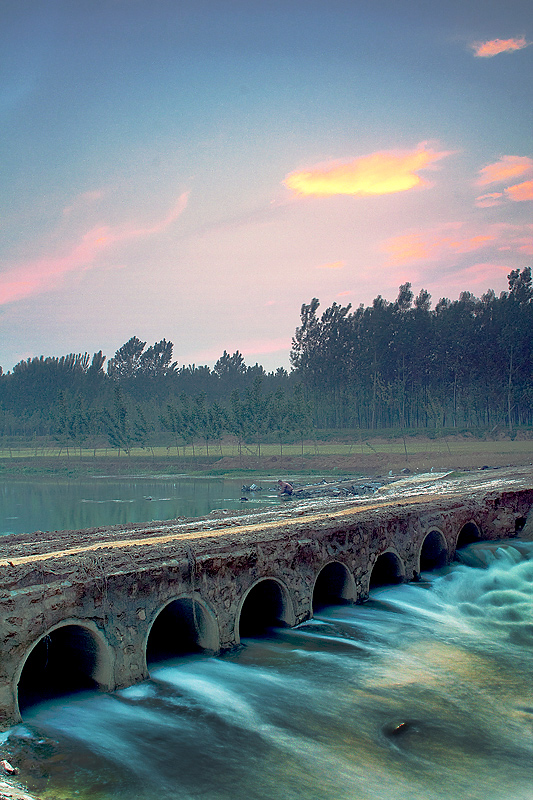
(413,446)
(369,457)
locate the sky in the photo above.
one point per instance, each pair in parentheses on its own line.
(196,171)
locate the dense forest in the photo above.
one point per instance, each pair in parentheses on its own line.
(464,364)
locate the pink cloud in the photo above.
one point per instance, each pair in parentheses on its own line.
(507,168)
(455,239)
(496,46)
(332,265)
(521,191)
(407,247)
(42,274)
(383,172)
(478,277)
(488,200)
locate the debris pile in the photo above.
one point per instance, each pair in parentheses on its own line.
(349,487)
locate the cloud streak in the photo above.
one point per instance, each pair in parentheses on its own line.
(42,274)
(332,265)
(495,46)
(382,172)
(489,200)
(507,168)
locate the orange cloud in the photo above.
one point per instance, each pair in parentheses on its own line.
(45,273)
(507,168)
(382,172)
(520,192)
(332,265)
(496,46)
(409,247)
(432,244)
(442,244)
(488,200)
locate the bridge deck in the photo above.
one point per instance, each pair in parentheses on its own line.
(113,548)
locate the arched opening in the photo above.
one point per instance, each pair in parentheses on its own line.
(265,606)
(68,659)
(387,570)
(334,586)
(520,524)
(469,533)
(433,553)
(184,625)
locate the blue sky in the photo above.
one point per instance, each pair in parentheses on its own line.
(197,171)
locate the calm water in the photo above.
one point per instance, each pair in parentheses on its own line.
(53,505)
(313,713)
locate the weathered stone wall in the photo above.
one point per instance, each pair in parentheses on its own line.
(116,592)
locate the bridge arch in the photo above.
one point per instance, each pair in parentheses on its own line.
(184,624)
(265,604)
(388,569)
(70,656)
(334,585)
(433,551)
(469,533)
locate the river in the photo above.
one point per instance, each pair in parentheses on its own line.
(55,504)
(424,692)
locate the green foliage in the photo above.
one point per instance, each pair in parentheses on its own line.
(123,428)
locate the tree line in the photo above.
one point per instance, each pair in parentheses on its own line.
(143,398)
(466,363)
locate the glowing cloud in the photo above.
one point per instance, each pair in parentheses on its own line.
(496,46)
(43,274)
(520,192)
(383,172)
(507,168)
(332,265)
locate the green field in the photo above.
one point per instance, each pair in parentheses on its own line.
(364,456)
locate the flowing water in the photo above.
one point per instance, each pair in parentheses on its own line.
(424,692)
(54,504)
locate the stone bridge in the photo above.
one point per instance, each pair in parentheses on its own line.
(95,608)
